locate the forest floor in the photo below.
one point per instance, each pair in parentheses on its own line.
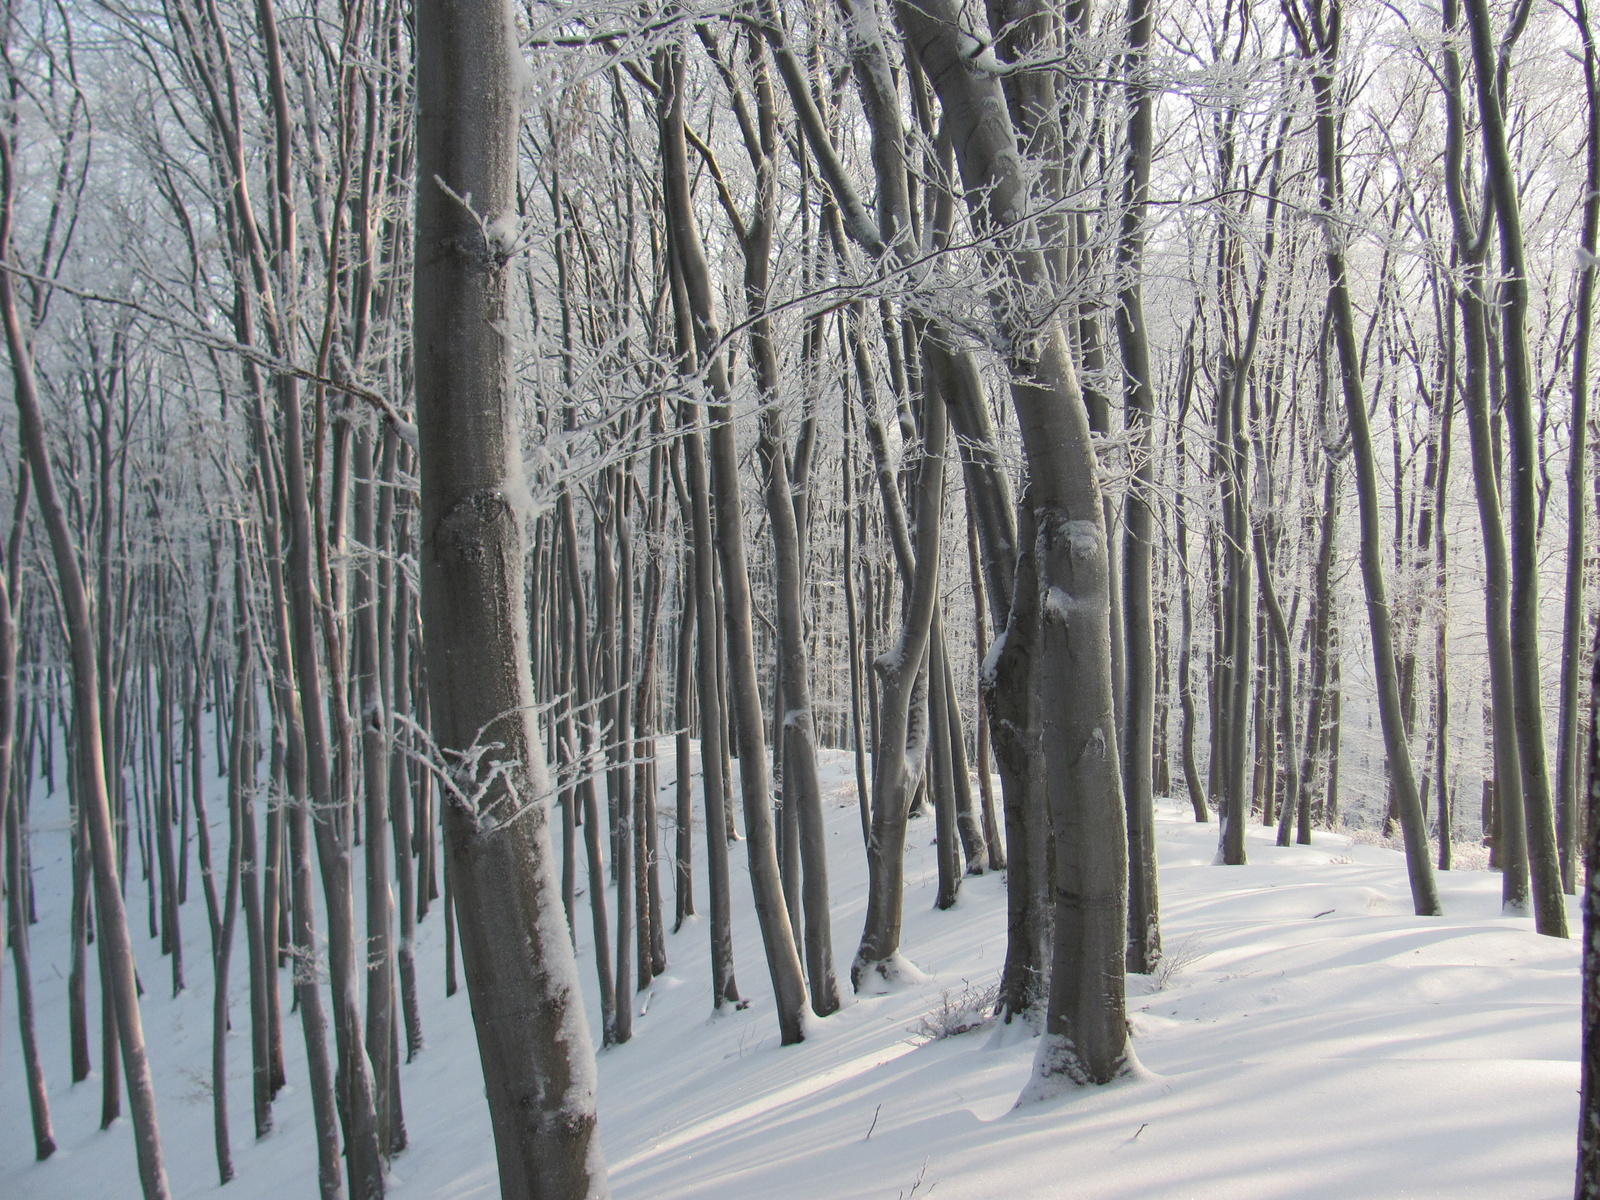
(1308,1037)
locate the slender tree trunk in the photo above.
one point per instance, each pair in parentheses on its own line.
(374,727)
(724,987)
(1567,747)
(1588,1175)
(580,707)
(14,830)
(393,631)
(1138,734)
(242,774)
(92,792)
(1509,848)
(1550,911)
(1321,633)
(783,959)
(1320,45)
(683,784)
(238,814)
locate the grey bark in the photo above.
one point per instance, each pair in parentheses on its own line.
(15,829)
(1086,1032)
(783,959)
(1319,44)
(1510,847)
(1568,752)
(1138,733)
(521,973)
(1550,911)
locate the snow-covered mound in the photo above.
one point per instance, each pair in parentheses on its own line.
(1308,1037)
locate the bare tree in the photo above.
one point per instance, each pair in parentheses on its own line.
(520,967)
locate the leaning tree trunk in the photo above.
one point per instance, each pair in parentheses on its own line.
(777,936)
(1550,910)
(1319,43)
(117,954)
(521,971)
(1086,1028)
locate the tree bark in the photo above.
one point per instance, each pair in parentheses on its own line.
(1567,748)
(92,793)
(783,959)
(1086,1030)
(1138,733)
(1319,44)
(534,1045)
(1550,910)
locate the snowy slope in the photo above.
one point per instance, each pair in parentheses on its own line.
(1315,1040)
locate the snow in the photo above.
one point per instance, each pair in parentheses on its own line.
(503,233)
(1306,1036)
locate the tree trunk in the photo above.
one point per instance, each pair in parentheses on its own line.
(1321,47)
(1550,910)
(1567,747)
(1509,847)
(1138,735)
(13,830)
(92,792)
(783,959)
(1086,1030)
(538,1067)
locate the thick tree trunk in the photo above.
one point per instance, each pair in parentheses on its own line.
(1086,1030)
(521,972)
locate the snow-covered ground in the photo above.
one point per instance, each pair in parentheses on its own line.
(1313,1039)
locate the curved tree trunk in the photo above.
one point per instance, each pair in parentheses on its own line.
(92,793)
(1086,1030)
(1319,44)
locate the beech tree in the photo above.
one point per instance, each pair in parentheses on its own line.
(521,974)
(448,411)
